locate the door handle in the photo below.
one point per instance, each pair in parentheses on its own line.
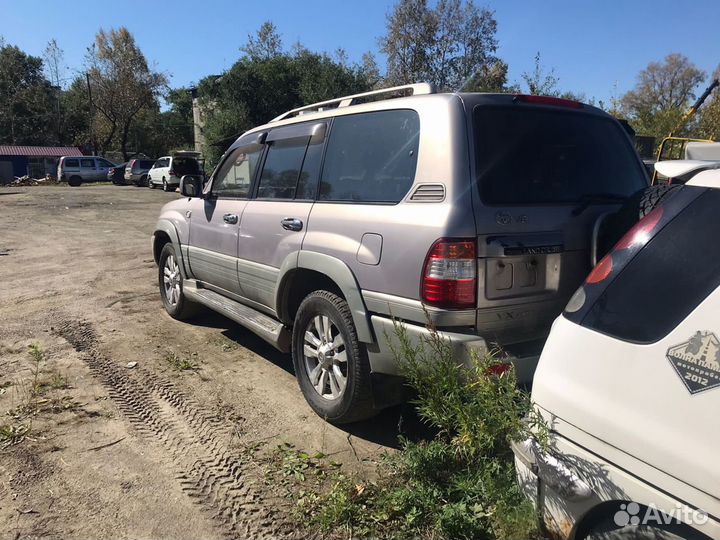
(232,219)
(291,224)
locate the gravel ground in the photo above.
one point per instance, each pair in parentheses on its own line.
(148,452)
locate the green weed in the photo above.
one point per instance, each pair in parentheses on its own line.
(460,484)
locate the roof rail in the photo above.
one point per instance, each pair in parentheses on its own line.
(394,92)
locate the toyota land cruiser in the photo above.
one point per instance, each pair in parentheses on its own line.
(475,213)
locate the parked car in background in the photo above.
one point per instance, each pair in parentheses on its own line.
(136,171)
(168,170)
(115,174)
(476,211)
(629,384)
(79,170)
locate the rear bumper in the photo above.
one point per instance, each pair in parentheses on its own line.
(574,489)
(463,345)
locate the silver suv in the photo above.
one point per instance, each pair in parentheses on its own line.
(476,213)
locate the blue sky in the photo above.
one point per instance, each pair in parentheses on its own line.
(596,47)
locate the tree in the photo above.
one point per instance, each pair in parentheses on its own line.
(26,105)
(661,95)
(539,82)
(54,63)
(450,45)
(121,84)
(369,70)
(266,43)
(262,85)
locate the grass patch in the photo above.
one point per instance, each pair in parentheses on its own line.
(460,484)
(225,344)
(12,434)
(181,363)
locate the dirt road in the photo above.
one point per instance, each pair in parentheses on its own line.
(159,450)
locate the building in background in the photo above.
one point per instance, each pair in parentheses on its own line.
(32,161)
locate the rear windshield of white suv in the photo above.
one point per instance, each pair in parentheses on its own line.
(538,156)
(183,166)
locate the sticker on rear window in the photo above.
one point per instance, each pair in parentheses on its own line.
(697,361)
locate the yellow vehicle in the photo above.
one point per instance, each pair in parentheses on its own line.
(674,147)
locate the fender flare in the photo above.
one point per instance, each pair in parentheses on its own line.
(167,227)
(337,271)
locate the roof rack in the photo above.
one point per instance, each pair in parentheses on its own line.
(394,92)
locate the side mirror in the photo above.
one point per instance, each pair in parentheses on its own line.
(191,185)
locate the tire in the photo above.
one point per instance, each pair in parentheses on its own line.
(166,188)
(74,181)
(318,312)
(143,181)
(150,183)
(609,530)
(633,210)
(172,295)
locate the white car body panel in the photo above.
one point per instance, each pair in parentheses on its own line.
(643,434)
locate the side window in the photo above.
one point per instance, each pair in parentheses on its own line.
(371,157)
(74,163)
(87,163)
(235,175)
(307,183)
(104,163)
(281,171)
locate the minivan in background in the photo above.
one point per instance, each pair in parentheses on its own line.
(80,170)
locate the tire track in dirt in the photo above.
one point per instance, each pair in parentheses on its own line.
(213,475)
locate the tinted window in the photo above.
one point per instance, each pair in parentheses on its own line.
(528,156)
(105,163)
(371,157)
(666,280)
(71,163)
(307,183)
(87,163)
(182,166)
(281,171)
(143,164)
(235,175)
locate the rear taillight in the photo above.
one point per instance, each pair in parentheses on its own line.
(132,164)
(450,274)
(636,237)
(640,233)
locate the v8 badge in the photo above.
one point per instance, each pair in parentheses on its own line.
(697,361)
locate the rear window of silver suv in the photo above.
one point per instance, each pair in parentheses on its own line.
(538,156)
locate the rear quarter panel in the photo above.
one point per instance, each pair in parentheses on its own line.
(408,229)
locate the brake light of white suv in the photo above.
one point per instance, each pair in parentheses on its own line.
(450,274)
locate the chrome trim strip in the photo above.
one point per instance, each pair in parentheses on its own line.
(414,310)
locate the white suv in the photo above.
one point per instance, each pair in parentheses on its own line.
(629,382)
(168,170)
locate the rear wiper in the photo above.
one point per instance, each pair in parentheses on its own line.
(594,198)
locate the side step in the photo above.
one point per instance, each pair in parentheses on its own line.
(272,331)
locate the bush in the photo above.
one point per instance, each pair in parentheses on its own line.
(462,483)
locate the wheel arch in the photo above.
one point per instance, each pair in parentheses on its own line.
(304,272)
(165,232)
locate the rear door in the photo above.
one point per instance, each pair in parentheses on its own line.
(543,175)
(215,220)
(276,219)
